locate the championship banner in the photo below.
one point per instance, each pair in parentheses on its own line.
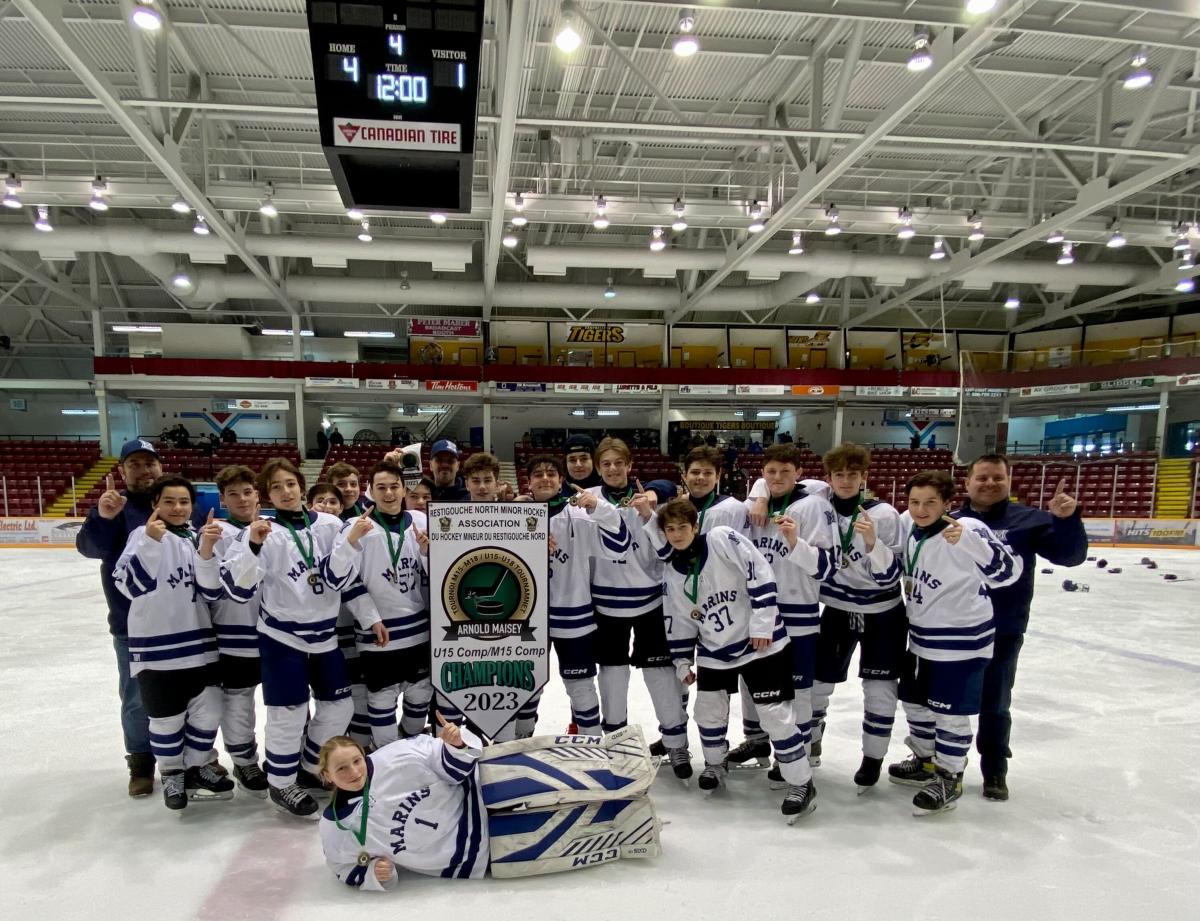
(489,615)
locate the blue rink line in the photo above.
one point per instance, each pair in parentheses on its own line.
(1118,651)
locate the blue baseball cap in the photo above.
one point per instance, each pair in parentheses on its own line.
(133,447)
(445,446)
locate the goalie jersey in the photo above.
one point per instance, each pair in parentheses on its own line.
(582,541)
(949,609)
(380,588)
(169,623)
(298,605)
(733,599)
(424,813)
(798,591)
(630,585)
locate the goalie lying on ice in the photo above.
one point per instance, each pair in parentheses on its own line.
(447,807)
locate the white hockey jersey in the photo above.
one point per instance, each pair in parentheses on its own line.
(850,583)
(735,600)
(630,585)
(723,512)
(582,541)
(169,623)
(235,623)
(798,590)
(949,610)
(424,813)
(292,610)
(378,590)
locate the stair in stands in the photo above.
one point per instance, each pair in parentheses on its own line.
(1174,488)
(65,504)
(312,470)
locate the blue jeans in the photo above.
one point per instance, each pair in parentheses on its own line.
(134,723)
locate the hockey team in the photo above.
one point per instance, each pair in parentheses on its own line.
(326,604)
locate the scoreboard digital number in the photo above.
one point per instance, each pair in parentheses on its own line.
(397,84)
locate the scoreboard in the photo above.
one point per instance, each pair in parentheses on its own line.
(397,85)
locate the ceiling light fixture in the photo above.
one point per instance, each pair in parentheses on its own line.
(568,39)
(519,219)
(285,332)
(43,219)
(812,298)
(939,249)
(99,190)
(1116,239)
(756,209)
(200,228)
(1187,261)
(1186,285)
(920,59)
(976,7)
(437,217)
(267,206)
(364,232)
(679,224)
(976,222)
(355,214)
(686,44)
(1012,302)
(510,238)
(657,243)
(372,334)
(181,278)
(600,221)
(797,247)
(12,185)
(1067,256)
(1140,76)
(906,231)
(1056,237)
(609,292)
(129,328)
(1182,240)
(146,16)
(833,228)
(179,206)
(404,285)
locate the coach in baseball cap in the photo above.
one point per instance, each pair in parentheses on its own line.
(443,469)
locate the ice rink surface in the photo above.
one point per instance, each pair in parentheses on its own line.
(1104,820)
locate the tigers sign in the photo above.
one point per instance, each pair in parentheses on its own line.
(596,333)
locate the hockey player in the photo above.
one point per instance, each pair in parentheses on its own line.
(720,596)
(1059,536)
(582,535)
(860,610)
(578,459)
(627,595)
(172,647)
(482,475)
(444,807)
(794,508)
(701,473)
(237,633)
(390,580)
(347,480)
(291,558)
(327,498)
(418,497)
(949,567)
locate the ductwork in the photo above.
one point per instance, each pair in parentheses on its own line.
(832,263)
(64,243)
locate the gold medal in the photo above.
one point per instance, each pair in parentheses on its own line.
(696,615)
(574,500)
(625,502)
(844,562)
(314,578)
(363,858)
(908,586)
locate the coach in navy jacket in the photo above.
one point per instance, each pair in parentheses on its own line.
(1057,535)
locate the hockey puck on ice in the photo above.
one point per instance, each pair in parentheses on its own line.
(1151,565)
(1170,576)
(1091,559)
(1145,561)
(1069,586)
(1115,570)
(1047,572)
(1101,564)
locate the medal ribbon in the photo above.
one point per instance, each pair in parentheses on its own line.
(712,497)
(308,555)
(185,533)
(557,503)
(911,565)
(361,834)
(628,495)
(393,550)
(773,509)
(847,538)
(694,574)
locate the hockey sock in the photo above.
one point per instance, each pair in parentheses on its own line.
(712,719)
(614,696)
(360,723)
(821,692)
(879,713)
(237,725)
(416,707)
(779,720)
(663,685)
(921,722)
(953,741)
(381,710)
(200,729)
(284,736)
(585,704)
(330,718)
(166,741)
(751,727)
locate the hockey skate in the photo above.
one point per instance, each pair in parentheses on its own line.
(205,784)
(658,749)
(801,799)
(775,779)
(867,774)
(295,802)
(681,763)
(713,778)
(310,783)
(752,754)
(941,794)
(250,777)
(913,771)
(174,791)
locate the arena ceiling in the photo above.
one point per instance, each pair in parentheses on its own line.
(1022,125)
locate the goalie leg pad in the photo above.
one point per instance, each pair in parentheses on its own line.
(536,841)
(549,770)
